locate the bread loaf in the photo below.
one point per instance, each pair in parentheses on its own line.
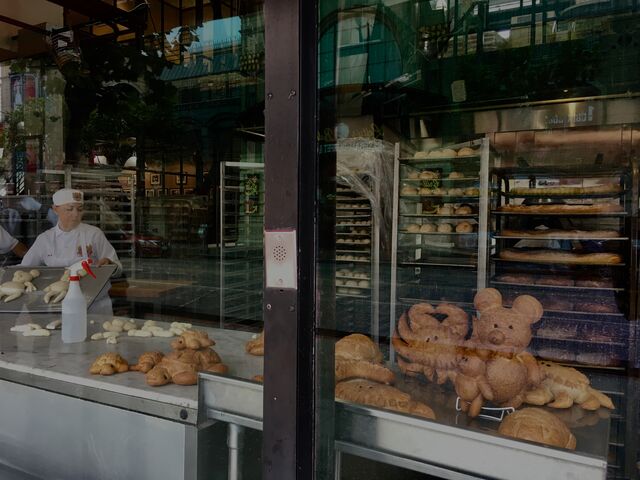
(569,234)
(538,425)
(557,256)
(564,208)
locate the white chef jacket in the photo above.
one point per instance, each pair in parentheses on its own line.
(57,248)
(7,242)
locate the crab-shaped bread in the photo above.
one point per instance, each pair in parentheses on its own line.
(193,339)
(147,361)
(538,425)
(19,284)
(357,356)
(564,386)
(172,371)
(205,359)
(427,345)
(108,364)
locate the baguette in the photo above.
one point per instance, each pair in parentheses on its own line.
(563,208)
(568,234)
(557,256)
(593,190)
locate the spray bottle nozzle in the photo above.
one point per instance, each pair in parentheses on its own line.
(86,266)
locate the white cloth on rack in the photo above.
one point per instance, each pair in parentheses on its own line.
(7,242)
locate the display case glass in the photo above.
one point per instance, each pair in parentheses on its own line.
(508,274)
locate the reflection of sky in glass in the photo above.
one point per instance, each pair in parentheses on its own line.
(224,31)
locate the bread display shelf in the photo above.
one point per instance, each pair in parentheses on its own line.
(444,179)
(438,263)
(557,287)
(352,261)
(353,208)
(585,196)
(365,225)
(437,159)
(350,234)
(561,214)
(445,198)
(404,232)
(579,341)
(351,295)
(353,216)
(436,215)
(577,171)
(358,252)
(347,277)
(559,237)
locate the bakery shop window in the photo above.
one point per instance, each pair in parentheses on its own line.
(484,249)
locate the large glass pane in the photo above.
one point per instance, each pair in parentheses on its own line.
(148,118)
(478,207)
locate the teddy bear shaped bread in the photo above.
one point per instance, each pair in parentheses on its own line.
(357,356)
(500,338)
(427,345)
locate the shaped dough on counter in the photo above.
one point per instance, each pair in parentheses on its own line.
(147,361)
(193,339)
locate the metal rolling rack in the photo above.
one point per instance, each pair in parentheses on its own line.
(417,273)
(241,245)
(357,261)
(606,334)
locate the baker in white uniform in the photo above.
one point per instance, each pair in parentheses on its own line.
(71,241)
(10,244)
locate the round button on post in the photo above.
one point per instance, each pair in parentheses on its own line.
(184,414)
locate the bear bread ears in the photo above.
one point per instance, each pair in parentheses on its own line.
(526,305)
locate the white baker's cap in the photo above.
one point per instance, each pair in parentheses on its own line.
(67,195)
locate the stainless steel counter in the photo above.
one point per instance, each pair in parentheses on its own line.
(453,447)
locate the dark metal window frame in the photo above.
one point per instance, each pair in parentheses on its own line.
(290,183)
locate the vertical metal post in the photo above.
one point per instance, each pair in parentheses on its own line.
(394,246)
(234,442)
(290,179)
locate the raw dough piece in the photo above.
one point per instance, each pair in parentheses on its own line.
(538,425)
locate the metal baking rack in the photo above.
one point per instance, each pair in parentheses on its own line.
(421,263)
(357,261)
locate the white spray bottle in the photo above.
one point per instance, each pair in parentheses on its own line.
(74,305)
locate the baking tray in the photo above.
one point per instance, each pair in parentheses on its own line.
(34,302)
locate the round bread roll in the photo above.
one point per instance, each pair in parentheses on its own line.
(426,191)
(466,152)
(463,210)
(439,191)
(472,192)
(413,228)
(414,175)
(342,290)
(421,155)
(363,283)
(455,192)
(427,228)
(445,210)
(351,283)
(538,425)
(339,282)
(464,227)
(445,228)
(455,175)
(409,191)
(448,152)
(354,291)
(429,175)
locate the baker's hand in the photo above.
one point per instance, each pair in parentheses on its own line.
(104,261)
